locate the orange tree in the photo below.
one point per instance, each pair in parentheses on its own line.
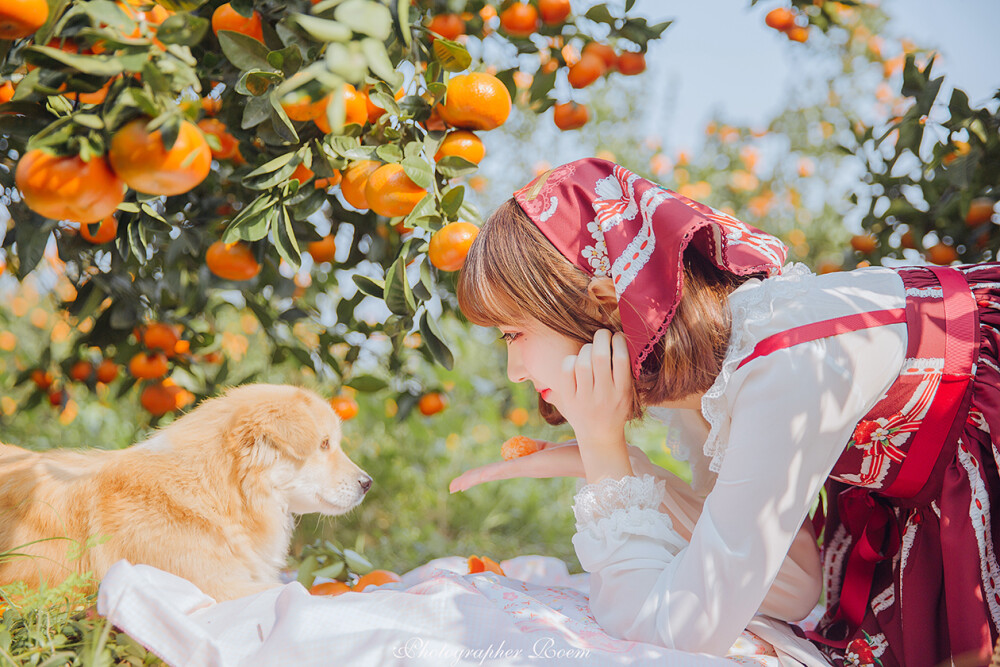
(180,157)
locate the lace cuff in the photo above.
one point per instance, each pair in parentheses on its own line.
(599,501)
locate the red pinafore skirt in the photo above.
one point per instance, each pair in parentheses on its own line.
(909,544)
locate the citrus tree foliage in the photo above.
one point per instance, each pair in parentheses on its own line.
(96,66)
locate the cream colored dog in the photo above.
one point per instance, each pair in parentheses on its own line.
(209,498)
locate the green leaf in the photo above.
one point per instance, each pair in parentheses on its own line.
(305,574)
(435,343)
(252,223)
(358,563)
(402,23)
(600,14)
(183,28)
(322,30)
(365,17)
(453,56)
(288,60)
(453,166)
(284,238)
(389,153)
(280,121)
(31,236)
(367,384)
(256,111)
(256,83)
(419,171)
(398,296)
(370,286)
(244,51)
(451,201)
(104,66)
(379,62)
(332,571)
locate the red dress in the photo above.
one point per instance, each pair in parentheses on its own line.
(908,540)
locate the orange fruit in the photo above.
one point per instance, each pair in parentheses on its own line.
(106,232)
(431,403)
(354,181)
(941,254)
(475,101)
(355,112)
(182,347)
(631,63)
(391,193)
(345,407)
(323,250)
(374,111)
(301,106)
(980,211)
(602,51)
(864,243)
(324,183)
(227,18)
(140,159)
(450,244)
(330,588)
(517,447)
(462,143)
(67,188)
(518,416)
(81,370)
(56,397)
(159,336)
(302,173)
(159,398)
(96,97)
(20,18)
(797,33)
(484,564)
(570,115)
(6,92)
(449,26)
(42,379)
(553,11)
(229,147)
(232,261)
(376,578)
(519,20)
(148,365)
(211,105)
(781,19)
(906,240)
(586,71)
(828,266)
(107,371)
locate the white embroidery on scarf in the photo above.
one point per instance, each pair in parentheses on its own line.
(548,213)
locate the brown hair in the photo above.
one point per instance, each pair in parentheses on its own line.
(513,273)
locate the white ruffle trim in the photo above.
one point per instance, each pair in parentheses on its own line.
(598,501)
(750,309)
(678,449)
(643,522)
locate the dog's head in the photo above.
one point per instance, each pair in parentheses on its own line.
(286,441)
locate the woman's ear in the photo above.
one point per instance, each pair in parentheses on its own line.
(602,290)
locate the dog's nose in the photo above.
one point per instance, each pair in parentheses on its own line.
(366,483)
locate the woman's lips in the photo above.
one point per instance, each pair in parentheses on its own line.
(544,393)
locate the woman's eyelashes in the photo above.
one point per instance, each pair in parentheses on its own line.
(509,337)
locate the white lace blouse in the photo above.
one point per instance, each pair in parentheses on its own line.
(777,427)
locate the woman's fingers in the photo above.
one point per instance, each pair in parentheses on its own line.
(584,369)
(621,368)
(555,461)
(601,358)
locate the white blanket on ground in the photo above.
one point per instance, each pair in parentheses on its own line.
(438,615)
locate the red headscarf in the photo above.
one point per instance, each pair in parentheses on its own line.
(610,222)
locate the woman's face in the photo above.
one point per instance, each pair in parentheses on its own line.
(536,353)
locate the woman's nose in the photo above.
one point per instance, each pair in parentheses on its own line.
(515,371)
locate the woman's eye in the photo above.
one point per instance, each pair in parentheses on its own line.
(325,444)
(509,337)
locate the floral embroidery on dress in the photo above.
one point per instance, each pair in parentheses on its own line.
(865,652)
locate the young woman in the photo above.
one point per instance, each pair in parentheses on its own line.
(616,296)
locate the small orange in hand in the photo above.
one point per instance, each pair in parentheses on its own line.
(519,20)
(107,230)
(20,18)
(227,18)
(354,181)
(67,188)
(323,250)
(330,588)
(345,407)
(475,101)
(148,365)
(141,160)
(449,26)
(390,192)
(431,403)
(586,71)
(570,115)
(450,244)
(553,11)
(376,578)
(980,211)
(517,447)
(484,564)
(232,261)
(462,143)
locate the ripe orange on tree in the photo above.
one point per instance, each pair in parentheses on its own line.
(20,18)
(390,192)
(631,63)
(354,181)
(941,254)
(302,173)
(519,19)
(105,232)
(602,51)
(450,244)
(159,398)
(67,188)
(299,105)
(980,211)
(586,71)
(449,26)
(107,371)
(323,250)
(329,182)
(518,416)
(431,403)
(475,101)
(81,370)
(355,110)
(376,578)
(148,365)
(159,336)
(345,407)
(797,33)
(330,588)
(781,19)
(43,379)
(462,143)
(6,92)
(553,11)
(139,157)
(864,243)
(231,261)
(227,18)
(570,115)
(229,146)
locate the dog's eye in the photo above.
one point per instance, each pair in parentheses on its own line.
(325,444)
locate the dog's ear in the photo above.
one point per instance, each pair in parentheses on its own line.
(283,427)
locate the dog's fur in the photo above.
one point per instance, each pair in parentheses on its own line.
(209,498)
